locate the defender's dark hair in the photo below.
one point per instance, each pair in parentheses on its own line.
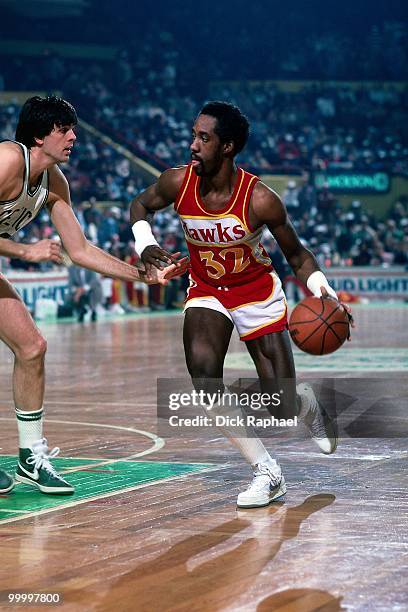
(39,115)
(232,125)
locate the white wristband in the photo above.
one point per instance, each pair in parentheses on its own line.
(142,232)
(315,281)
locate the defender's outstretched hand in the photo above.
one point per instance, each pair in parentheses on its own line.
(346,307)
(163,276)
(156,257)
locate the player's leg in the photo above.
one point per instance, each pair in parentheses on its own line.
(273,359)
(207,334)
(20,334)
(272,355)
(206,337)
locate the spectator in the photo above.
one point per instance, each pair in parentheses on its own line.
(86,291)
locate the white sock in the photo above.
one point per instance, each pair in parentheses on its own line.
(244,438)
(30,427)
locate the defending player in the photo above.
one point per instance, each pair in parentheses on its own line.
(223,210)
(29,180)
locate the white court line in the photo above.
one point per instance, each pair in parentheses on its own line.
(12,510)
(102,496)
(158,444)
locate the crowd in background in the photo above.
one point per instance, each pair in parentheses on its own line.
(148,95)
(322,127)
(98,173)
(257,41)
(147,98)
(317,127)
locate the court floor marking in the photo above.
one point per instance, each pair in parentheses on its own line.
(158,444)
(103,496)
(351,359)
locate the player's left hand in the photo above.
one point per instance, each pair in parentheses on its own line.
(162,277)
(346,307)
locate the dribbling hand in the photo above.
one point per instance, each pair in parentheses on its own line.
(346,307)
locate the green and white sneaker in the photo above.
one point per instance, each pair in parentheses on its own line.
(6,482)
(34,468)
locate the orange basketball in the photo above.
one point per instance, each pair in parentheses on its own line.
(319,325)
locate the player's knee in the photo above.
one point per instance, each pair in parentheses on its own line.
(202,363)
(267,352)
(33,351)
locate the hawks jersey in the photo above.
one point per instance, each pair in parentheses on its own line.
(15,214)
(224,250)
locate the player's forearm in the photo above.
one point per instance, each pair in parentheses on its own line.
(9,248)
(139,211)
(303,264)
(95,259)
(307,270)
(140,219)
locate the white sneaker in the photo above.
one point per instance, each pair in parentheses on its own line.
(117,309)
(264,488)
(322,428)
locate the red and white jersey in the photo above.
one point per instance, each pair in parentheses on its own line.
(224,250)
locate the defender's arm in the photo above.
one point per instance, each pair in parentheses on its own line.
(80,250)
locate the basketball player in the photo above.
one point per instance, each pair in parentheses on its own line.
(223,210)
(30,179)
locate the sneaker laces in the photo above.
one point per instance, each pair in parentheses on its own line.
(263,476)
(40,457)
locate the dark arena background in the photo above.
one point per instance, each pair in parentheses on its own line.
(153,525)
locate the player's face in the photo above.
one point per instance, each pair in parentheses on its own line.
(58,145)
(206,147)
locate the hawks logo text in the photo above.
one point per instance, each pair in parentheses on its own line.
(219,231)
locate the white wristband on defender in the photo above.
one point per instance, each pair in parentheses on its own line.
(315,281)
(143,236)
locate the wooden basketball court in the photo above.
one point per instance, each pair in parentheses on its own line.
(153,525)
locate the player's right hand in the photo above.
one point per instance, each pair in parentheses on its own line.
(44,250)
(346,307)
(154,256)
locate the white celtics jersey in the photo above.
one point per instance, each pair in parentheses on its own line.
(15,214)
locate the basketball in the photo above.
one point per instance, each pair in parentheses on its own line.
(319,326)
